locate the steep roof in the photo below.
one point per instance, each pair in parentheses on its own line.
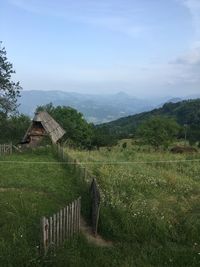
(52,128)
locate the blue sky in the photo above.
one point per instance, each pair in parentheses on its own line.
(144,48)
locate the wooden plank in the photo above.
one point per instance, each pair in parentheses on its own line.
(64,223)
(47,232)
(76,225)
(76,215)
(57,229)
(70,220)
(79,213)
(54,229)
(75,218)
(67,219)
(51,230)
(44,234)
(61,226)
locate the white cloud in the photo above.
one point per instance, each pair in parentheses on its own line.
(190,58)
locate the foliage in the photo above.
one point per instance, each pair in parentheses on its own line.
(102,138)
(9,90)
(184,112)
(13,128)
(158,131)
(78,131)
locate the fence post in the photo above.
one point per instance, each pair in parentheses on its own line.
(54,229)
(95,199)
(11,148)
(51,230)
(57,229)
(45,230)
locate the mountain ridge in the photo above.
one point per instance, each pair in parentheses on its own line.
(186,112)
(95,108)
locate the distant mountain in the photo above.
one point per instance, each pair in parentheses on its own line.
(171,100)
(95,108)
(185,112)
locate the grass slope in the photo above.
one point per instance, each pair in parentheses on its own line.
(152,211)
(29,191)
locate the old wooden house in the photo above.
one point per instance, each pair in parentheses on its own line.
(43,125)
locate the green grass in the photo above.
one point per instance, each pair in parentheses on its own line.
(29,191)
(150,212)
(153,209)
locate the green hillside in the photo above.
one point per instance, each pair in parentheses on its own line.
(184,112)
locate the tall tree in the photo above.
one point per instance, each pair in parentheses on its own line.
(158,131)
(9,90)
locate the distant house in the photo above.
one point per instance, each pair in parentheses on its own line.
(42,125)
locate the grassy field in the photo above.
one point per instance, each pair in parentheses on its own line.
(29,191)
(150,211)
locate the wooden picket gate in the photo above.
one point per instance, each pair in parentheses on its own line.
(61,226)
(5,149)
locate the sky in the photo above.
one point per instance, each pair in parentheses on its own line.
(144,48)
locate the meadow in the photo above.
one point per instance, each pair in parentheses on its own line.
(149,211)
(31,187)
(150,205)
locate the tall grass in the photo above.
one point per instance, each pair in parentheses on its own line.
(149,211)
(153,206)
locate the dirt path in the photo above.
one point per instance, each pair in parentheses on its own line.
(96,240)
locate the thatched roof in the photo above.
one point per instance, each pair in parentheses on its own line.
(51,127)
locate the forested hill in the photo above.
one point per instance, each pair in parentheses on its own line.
(184,112)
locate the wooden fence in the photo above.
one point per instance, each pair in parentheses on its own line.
(78,167)
(89,178)
(61,226)
(5,149)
